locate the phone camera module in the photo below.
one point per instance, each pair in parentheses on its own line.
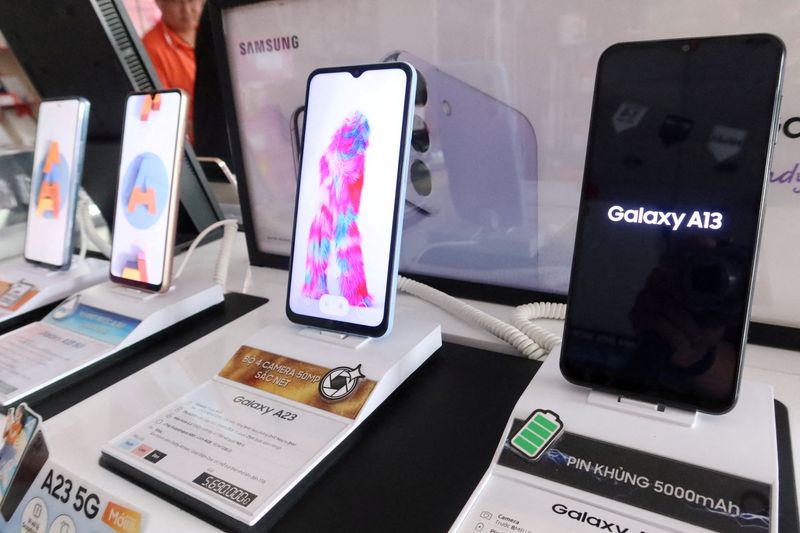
(421,96)
(686,47)
(420,137)
(420,176)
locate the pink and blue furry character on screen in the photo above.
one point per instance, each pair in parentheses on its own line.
(334,262)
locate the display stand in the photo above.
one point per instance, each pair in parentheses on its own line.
(631,466)
(91,327)
(156,311)
(239,447)
(39,286)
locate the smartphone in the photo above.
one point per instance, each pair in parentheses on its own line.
(148,188)
(23,452)
(350,193)
(679,149)
(57,166)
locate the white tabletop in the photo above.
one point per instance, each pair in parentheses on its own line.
(76,435)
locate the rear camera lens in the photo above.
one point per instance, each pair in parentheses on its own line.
(420,137)
(422,90)
(420,177)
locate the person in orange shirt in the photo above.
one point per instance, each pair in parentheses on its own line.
(170,45)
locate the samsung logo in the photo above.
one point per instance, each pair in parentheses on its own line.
(273,44)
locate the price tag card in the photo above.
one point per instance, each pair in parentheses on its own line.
(238,442)
(72,335)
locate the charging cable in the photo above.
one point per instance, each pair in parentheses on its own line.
(523,316)
(225,249)
(536,343)
(89,230)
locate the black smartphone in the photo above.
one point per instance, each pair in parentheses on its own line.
(350,193)
(679,148)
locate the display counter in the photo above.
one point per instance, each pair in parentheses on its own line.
(414,462)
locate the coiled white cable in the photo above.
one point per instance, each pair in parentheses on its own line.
(523,316)
(502,330)
(225,249)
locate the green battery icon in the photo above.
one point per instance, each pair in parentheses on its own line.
(535,436)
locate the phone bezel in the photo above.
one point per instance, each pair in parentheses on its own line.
(82,128)
(172,201)
(397,219)
(601,381)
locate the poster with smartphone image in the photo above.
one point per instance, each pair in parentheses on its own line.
(352,184)
(22,454)
(57,165)
(147,190)
(39,496)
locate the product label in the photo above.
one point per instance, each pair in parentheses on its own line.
(72,334)
(342,391)
(685,492)
(104,326)
(509,506)
(39,352)
(59,501)
(229,445)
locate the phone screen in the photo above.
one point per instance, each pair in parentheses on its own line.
(57,162)
(352,183)
(20,425)
(669,219)
(147,190)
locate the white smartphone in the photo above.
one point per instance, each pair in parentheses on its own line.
(351,190)
(146,210)
(57,166)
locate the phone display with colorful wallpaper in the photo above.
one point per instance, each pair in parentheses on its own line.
(348,216)
(147,190)
(57,165)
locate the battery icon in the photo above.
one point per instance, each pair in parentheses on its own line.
(536,435)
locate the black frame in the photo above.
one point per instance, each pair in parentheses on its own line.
(466,289)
